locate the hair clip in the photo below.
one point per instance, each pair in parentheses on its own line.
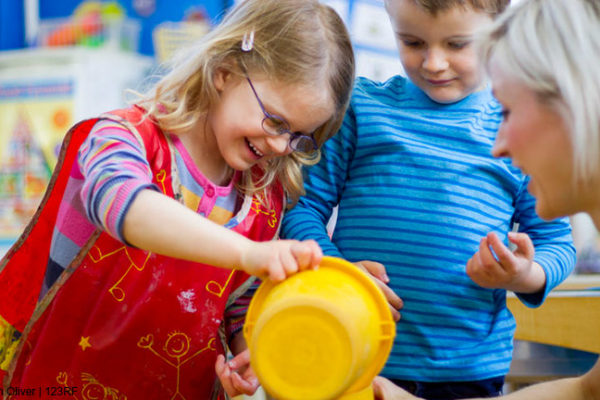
(248,41)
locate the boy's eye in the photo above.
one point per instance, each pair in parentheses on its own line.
(505,113)
(458,45)
(411,43)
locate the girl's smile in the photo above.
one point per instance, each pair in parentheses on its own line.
(235,124)
(254,150)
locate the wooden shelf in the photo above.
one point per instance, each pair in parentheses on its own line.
(579,282)
(568,318)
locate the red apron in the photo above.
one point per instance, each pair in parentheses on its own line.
(120,323)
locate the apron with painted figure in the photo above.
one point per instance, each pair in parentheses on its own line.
(120,323)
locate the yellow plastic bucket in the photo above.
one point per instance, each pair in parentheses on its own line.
(322,334)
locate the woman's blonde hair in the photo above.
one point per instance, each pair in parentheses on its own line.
(553,48)
(295,42)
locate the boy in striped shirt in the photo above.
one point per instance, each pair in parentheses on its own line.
(420,197)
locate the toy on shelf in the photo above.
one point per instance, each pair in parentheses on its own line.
(169,37)
(93,24)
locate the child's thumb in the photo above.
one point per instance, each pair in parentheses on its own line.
(523,243)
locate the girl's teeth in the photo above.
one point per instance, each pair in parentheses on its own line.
(258,153)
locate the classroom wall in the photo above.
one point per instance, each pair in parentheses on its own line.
(12,26)
(148,12)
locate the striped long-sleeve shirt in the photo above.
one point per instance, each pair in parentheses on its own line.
(417,188)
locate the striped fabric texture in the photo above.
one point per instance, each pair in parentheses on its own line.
(416,189)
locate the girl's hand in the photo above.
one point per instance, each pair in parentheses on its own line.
(279,259)
(236,376)
(376,271)
(514,271)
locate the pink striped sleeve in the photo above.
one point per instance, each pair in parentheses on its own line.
(115,169)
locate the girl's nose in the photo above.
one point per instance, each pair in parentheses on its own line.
(279,144)
(435,60)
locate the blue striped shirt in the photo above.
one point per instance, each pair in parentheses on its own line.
(417,188)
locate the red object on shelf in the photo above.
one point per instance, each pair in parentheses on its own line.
(74,31)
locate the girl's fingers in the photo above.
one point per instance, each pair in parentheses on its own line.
(288,262)
(240,360)
(243,386)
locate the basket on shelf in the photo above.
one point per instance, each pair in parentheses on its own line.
(169,37)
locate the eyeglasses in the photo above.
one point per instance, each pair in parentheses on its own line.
(275,126)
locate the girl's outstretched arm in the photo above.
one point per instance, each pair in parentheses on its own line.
(157,223)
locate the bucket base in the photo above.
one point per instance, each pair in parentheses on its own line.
(364,394)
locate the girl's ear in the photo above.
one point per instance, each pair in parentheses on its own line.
(220,78)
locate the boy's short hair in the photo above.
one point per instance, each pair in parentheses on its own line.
(492,7)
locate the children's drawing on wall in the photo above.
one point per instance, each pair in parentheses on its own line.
(33,120)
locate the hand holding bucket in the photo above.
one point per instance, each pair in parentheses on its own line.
(320,334)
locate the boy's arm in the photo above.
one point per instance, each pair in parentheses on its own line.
(553,243)
(542,258)
(495,265)
(324,185)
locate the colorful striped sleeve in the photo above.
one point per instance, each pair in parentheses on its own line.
(235,314)
(115,169)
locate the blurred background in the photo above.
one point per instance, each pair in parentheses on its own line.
(65,60)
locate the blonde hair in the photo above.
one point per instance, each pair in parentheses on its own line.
(491,7)
(553,48)
(295,42)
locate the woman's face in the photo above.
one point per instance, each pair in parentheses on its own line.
(535,137)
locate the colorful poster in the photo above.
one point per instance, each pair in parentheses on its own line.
(33,120)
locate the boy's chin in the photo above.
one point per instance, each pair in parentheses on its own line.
(446,96)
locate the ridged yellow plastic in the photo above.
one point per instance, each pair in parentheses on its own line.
(320,335)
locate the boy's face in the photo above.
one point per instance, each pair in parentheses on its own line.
(436,51)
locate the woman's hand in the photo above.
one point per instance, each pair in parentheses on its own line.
(384,389)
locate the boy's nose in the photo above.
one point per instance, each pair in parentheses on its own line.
(435,60)
(279,144)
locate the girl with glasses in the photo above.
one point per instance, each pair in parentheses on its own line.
(156,215)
